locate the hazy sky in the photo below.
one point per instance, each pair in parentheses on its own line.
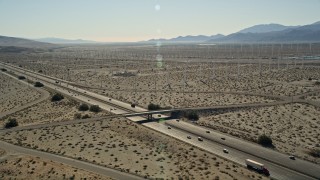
(134,20)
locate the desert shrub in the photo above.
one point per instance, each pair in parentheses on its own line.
(72,177)
(176,114)
(124,74)
(95,108)
(192,115)
(153,107)
(317,83)
(38,84)
(83,107)
(21,77)
(314,153)
(57,97)
(265,140)
(11,123)
(77,116)
(86,116)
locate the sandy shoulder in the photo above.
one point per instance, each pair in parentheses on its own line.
(29,167)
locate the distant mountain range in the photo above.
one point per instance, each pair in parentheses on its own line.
(20,42)
(186,39)
(263,33)
(264,28)
(307,33)
(63,41)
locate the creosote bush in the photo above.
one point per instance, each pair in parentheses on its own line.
(153,107)
(192,115)
(95,108)
(21,77)
(86,116)
(176,114)
(57,97)
(77,116)
(11,123)
(38,84)
(83,107)
(265,140)
(314,153)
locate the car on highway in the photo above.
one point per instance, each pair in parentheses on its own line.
(189,137)
(207,131)
(223,138)
(292,157)
(57,81)
(133,105)
(225,151)
(177,120)
(200,139)
(169,127)
(109,99)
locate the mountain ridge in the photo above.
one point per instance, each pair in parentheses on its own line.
(188,38)
(306,33)
(55,40)
(261,33)
(22,42)
(263,28)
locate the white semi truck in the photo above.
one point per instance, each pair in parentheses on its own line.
(257,167)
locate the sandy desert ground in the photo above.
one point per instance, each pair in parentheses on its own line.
(124,145)
(314,97)
(2,152)
(19,166)
(14,94)
(47,111)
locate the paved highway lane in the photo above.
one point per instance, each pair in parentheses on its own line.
(72,162)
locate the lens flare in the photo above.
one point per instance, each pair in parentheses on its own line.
(158,43)
(159,60)
(157,7)
(159,57)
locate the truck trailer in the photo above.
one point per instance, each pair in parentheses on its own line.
(251,164)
